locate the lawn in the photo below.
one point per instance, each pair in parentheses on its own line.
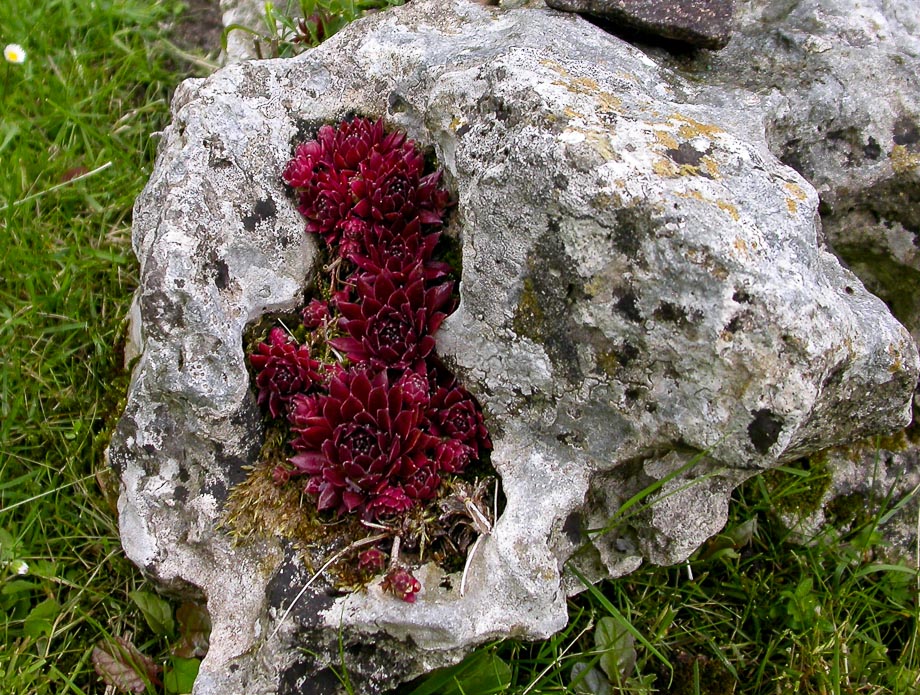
(751,613)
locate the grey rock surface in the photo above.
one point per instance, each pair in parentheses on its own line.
(859,483)
(704,23)
(841,82)
(644,299)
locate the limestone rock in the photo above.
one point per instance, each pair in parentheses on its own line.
(842,87)
(644,301)
(705,23)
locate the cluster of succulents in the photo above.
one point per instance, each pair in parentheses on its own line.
(376,420)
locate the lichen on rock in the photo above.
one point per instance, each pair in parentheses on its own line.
(626,326)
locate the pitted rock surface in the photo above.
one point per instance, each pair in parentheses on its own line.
(841,86)
(705,23)
(644,298)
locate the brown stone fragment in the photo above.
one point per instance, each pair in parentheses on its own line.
(704,23)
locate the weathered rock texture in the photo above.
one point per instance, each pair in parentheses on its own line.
(705,23)
(841,86)
(644,299)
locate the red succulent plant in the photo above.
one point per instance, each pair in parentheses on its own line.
(371,560)
(393,323)
(454,414)
(397,248)
(364,446)
(400,582)
(356,176)
(285,370)
(315,314)
(375,429)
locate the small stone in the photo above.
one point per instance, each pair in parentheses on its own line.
(704,23)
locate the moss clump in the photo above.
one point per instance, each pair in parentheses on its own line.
(607,362)
(851,511)
(697,674)
(799,487)
(528,317)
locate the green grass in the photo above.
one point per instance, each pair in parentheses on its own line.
(751,613)
(94,87)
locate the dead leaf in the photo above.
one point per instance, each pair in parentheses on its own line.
(194,631)
(121,665)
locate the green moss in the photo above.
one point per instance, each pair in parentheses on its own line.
(698,674)
(607,362)
(799,487)
(898,285)
(528,317)
(851,511)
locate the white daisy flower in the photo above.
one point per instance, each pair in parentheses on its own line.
(14,53)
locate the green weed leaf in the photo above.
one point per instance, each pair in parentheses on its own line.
(482,673)
(157,612)
(40,620)
(180,678)
(587,680)
(618,657)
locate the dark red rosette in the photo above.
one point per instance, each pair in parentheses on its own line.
(453,455)
(415,387)
(389,189)
(454,414)
(423,484)
(392,323)
(364,442)
(315,314)
(284,370)
(400,582)
(389,501)
(397,249)
(371,560)
(357,175)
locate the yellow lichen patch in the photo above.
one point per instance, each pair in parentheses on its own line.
(724,206)
(666,140)
(554,66)
(903,160)
(455,123)
(897,365)
(796,190)
(711,166)
(609,102)
(741,246)
(798,195)
(729,208)
(601,144)
(588,87)
(585,83)
(692,128)
(666,168)
(572,114)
